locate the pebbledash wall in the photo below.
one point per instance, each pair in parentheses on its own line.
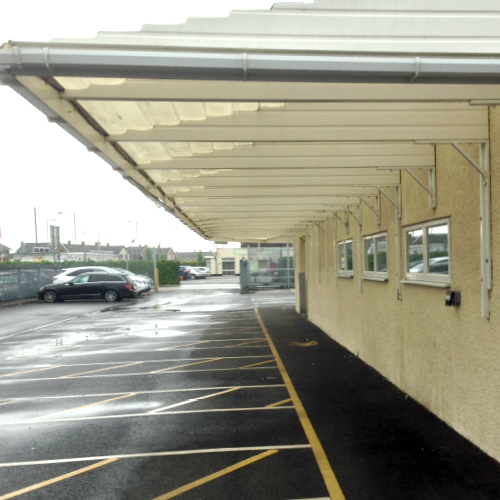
(447,358)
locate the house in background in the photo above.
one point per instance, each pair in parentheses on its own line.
(66,252)
(139,252)
(4,253)
(193,256)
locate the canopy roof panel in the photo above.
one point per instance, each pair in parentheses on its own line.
(253,126)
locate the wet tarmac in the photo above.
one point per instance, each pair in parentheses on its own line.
(199,392)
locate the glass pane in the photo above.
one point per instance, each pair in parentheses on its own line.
(369,256)
(437,240)
(82,279)
(348,249)
(415,251)
(341,257)
(382,254)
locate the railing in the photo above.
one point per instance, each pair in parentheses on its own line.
(23,281)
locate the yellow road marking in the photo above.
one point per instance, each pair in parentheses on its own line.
(258,364)
(331,482)
(215,475)
(183,345)
(102,369)
(57,479)
(182,366)
(9,402)
(195,399)
(245,343)
(85,406)
(30,371)
(279,403)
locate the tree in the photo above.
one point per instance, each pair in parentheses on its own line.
(200,260)
(148,254)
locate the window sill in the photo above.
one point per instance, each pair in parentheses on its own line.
(369,278)
(435,284)
(348,276)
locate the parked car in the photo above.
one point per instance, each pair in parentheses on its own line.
(204,272)
(189,273)
(437,265)
(70,273)
(142,282)
(109,286)
(184,273)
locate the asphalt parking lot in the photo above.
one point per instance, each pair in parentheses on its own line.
(175,394)
(199,392)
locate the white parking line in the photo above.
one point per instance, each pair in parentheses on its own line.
(160,454)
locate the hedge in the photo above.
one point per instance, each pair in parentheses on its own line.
(168,271)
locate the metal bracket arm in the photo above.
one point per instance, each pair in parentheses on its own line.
(470,160)
(349,211)
(397,205)
(431,189)
(376,210)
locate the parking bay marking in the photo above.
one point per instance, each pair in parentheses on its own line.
(279,403)
(258,364)
(103,369)
(57,479)
(140,374)
(245,343)
(159,454)
(160,391)
(136,415)
(85,406)
(215,475)
(30,371)
(194,400)
(189,364)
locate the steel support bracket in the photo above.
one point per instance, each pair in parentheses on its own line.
(396,203)
(352,213)
(483,168)
(375,210)
(431,188)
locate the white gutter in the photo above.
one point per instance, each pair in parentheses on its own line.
(45,60)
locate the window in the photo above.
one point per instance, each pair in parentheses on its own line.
(41,250)
(82,279)
(345,261)
(375,256)
(78,272)
(428,251)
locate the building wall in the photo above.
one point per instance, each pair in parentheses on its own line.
(224,253)
(447,358)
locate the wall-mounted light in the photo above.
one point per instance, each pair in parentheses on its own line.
(452,299)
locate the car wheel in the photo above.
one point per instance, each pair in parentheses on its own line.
(192,277)
(50,296)
(110,295)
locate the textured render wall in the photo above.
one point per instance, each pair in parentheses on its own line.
(446,358)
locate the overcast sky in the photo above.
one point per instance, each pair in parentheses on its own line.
(44,167)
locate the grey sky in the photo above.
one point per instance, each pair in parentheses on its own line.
(43,167)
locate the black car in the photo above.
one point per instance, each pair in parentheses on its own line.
(91,286)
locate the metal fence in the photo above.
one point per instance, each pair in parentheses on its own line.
(23,281)
(268,267)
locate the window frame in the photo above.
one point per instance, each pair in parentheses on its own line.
(344,272)
(381,275)
(425,276)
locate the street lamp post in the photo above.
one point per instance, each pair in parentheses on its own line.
(74,221)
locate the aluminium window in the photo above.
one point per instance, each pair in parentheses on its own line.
(428,252)
(345,258)
(375,256)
